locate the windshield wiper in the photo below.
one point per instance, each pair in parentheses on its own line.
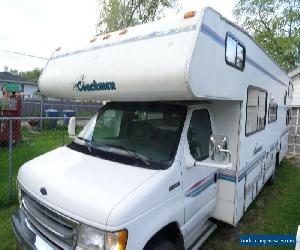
(87,143)
(142,158)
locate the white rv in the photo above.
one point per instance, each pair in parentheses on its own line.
(195,125)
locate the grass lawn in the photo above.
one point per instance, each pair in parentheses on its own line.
(276,210)
(32,145)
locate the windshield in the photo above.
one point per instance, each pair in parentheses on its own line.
(146,132)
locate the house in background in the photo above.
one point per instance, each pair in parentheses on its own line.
(295,76)
(294,136)
(11,84)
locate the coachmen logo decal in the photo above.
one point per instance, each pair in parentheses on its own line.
(93,86)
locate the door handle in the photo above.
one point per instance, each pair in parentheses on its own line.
(215,177)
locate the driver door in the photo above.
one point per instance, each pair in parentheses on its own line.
(200,183)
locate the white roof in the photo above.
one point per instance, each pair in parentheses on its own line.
(144,63)
(171,59)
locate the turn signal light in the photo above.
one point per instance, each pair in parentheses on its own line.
(189,14)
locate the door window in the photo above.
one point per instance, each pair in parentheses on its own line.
(199,134)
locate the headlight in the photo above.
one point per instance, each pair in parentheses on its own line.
(94,239)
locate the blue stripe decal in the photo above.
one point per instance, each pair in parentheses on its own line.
(227,177)
(198,189)
(203,184)
(250,165)
(257,66)
(212,34)
(132,39)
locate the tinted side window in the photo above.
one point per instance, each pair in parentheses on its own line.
(272,112)
(230,49)
(235,53)
(199,134)
(256,110)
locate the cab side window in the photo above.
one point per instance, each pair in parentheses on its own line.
(199,134)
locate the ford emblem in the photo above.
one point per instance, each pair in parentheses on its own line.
(43,191)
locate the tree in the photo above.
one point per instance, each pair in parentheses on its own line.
(120,14)
(275,24)
(31,75)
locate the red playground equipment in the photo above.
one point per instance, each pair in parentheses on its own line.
(5,123)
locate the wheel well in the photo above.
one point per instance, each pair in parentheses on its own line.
(172,233)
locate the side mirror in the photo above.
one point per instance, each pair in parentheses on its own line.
(218,149)
(71,127)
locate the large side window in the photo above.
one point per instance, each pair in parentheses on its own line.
(273,112)
(235,53)
(256,110)
(199,134)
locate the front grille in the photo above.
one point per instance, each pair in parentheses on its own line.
(61,231)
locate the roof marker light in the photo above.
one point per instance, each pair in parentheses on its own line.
(93,40)
(189,14)
(123,32)
(106,37)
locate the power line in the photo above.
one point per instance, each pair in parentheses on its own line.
(23,54)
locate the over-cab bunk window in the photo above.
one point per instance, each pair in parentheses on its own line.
(256,110)
(235,53)
(273,112)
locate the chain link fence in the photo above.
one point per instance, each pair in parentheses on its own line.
(24,138)
(37,107)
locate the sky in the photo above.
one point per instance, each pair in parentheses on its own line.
(38,27)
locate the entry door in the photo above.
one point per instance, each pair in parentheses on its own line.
(200,187)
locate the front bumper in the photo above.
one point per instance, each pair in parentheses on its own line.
(27,236)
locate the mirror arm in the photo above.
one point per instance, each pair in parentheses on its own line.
(227,152)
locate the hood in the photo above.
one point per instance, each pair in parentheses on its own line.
(80,186)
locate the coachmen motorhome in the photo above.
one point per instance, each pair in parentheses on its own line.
(195,124)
